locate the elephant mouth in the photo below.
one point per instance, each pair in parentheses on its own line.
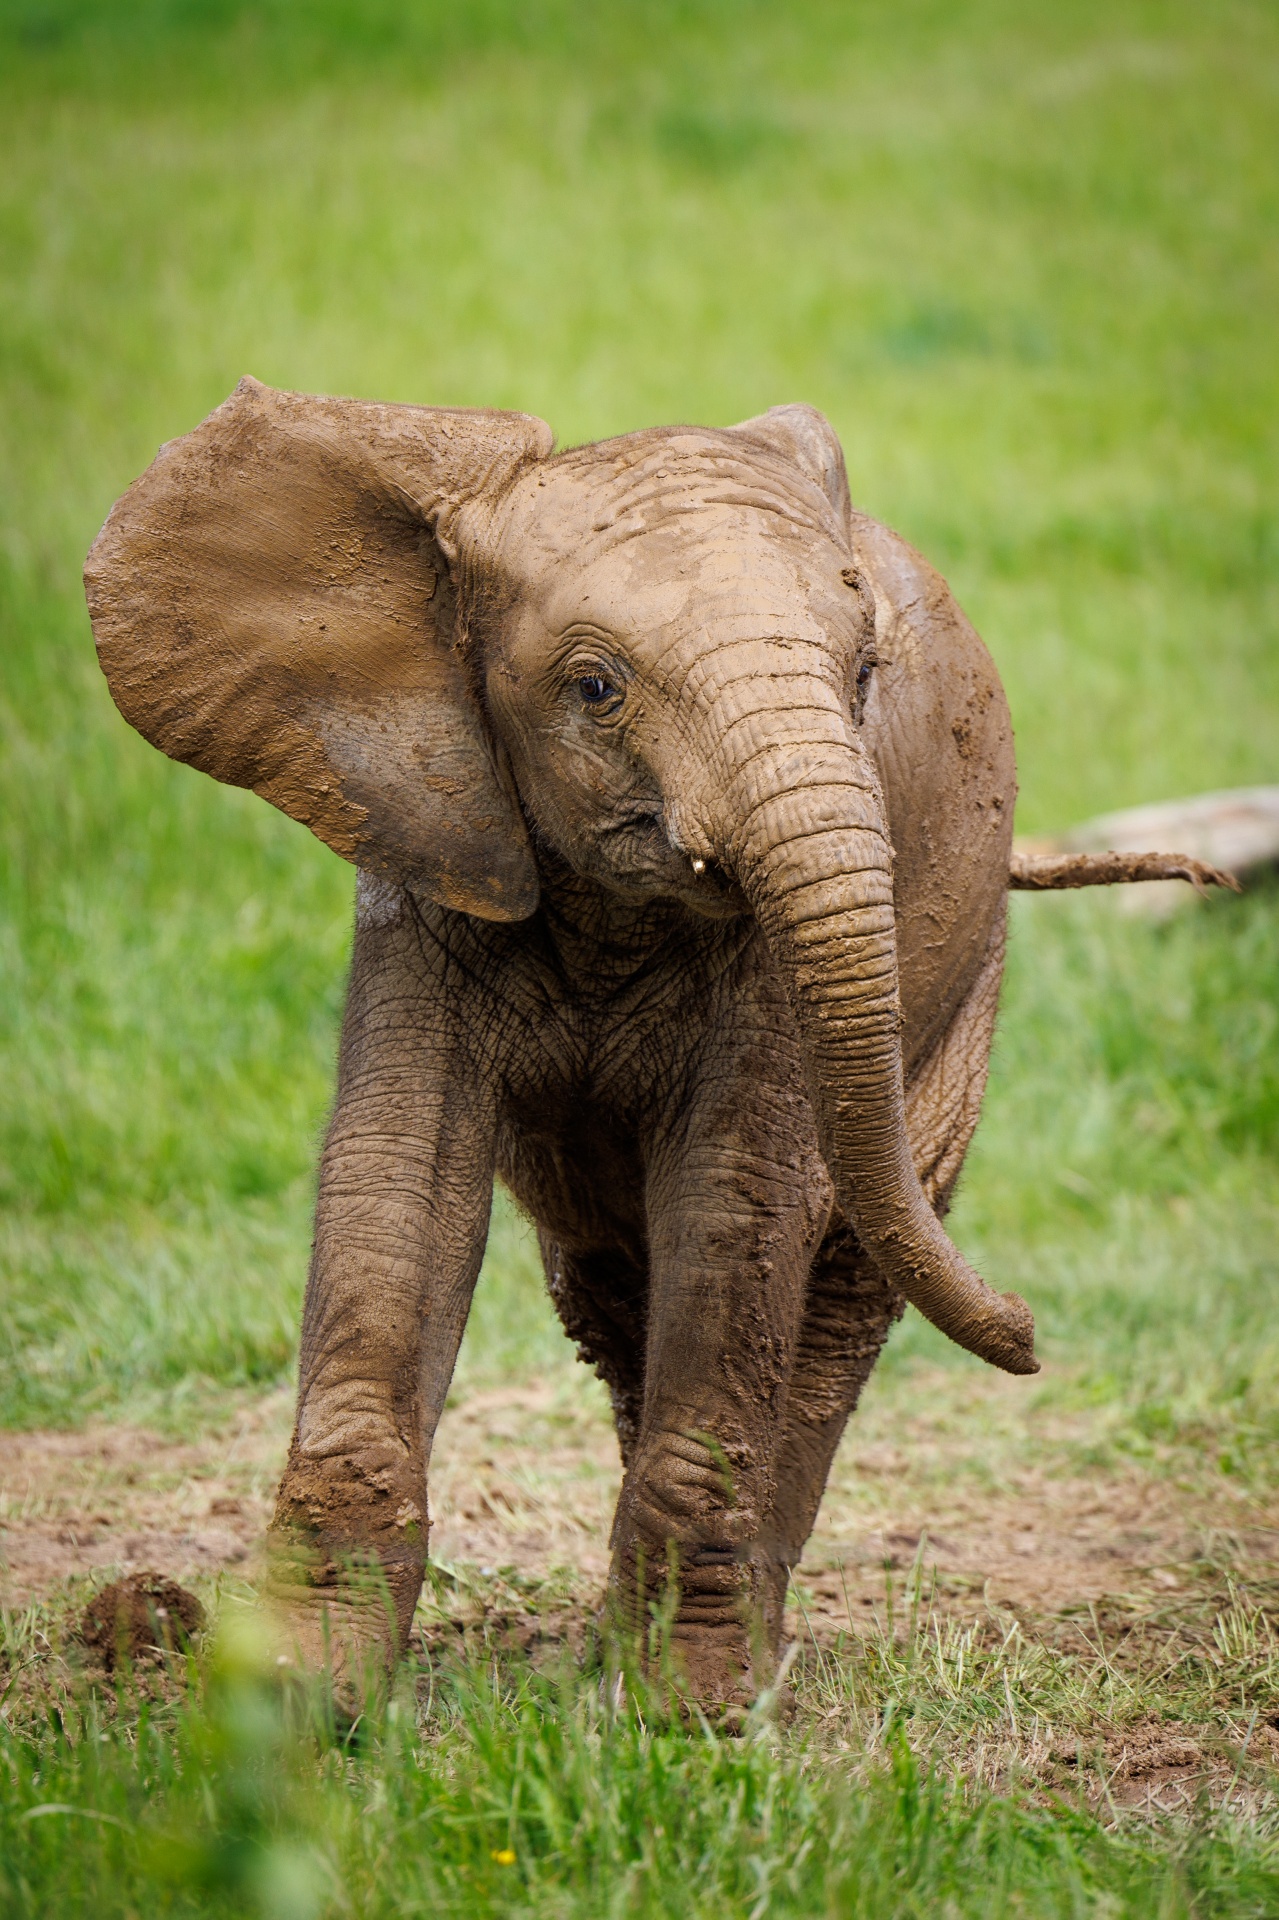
(643,859)
(713,887)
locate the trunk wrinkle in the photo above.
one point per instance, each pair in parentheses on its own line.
(831,929)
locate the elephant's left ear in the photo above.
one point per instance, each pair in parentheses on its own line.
(272,603)
(803,435)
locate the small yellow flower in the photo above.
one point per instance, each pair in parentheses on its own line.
(505,1856)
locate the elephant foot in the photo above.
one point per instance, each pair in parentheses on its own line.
(335,1632)
(701,1635)
(347,1553)
(689,1581)
(712,1676)
(728,1683)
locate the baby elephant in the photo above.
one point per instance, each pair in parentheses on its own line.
(682,796)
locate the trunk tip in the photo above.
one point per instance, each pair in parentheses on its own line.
(1008,1339)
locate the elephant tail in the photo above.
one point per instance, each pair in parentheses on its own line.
(1045,872)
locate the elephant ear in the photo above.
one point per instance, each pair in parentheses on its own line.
(272,603)
(807,438)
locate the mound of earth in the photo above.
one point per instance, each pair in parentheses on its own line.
(139,1618)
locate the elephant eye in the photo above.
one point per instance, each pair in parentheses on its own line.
(864,672)
(597,691)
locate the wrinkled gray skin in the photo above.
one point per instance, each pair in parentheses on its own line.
(681,909)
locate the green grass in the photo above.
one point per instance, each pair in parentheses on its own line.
(1021,256)
(1124,1176)
(487,1792)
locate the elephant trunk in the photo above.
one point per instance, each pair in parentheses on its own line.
(804,833)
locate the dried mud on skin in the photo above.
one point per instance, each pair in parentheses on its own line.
(998,1512)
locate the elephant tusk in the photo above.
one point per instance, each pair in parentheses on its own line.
(699,866)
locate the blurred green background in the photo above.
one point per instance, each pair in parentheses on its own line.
(1023,258)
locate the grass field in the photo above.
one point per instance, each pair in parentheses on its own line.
(1023,258)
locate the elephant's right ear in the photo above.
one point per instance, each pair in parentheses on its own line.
(272,604)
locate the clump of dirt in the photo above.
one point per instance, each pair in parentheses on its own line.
(1152,1751)
(1164,1764)
(139,1619)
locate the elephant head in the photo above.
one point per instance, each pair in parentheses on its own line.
(435,642)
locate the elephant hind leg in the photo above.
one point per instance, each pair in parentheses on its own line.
(849,1309)
(602,1300)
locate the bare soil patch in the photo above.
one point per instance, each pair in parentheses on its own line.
(965,1517)
(113,1500)
(999,1505)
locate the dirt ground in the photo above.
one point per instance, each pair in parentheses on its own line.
(1003,1505)
(1013,1511)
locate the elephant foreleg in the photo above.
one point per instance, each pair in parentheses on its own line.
(401,1220)
(734,1222)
